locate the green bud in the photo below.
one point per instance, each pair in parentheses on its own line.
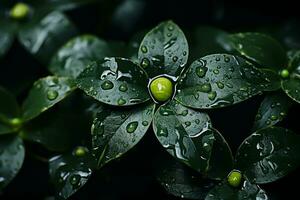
(19,11)
(234,178)
(161,89)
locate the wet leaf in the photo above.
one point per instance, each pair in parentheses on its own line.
(269,154)
(115,81)
(248,191)
(220,80)
(184,134)
(291,85)
(12,154)
(181,181)
(70,172)
(221,159)
(115,131)
(272,110)
(164,50)
(75,55)
(43,37)
(260,48)
(44,94)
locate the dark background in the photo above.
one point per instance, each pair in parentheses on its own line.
(132,176)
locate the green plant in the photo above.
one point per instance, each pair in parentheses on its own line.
(157,81)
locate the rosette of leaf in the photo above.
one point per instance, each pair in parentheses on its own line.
(264,157)
(40,26)
(162,91)
(43,118)
(268,55)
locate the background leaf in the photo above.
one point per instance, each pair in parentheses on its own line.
(269,154)
(115,81)
(60,129)
(75,55)
(183,132)
(43,37)
(115,131)
(272,110)
(220,80)
(9,109)
(260,48)
(70,172)
(12,154)
(6,36)
(164,50)
(44,94)
(247,191)
(207,40)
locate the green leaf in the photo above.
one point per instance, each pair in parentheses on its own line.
(181,181)
(6,36)
(260,48)
(70,172)
(248,191)
(291,85)
(75,55)
(115,81)
(184,133)
(269,154)
(164,50)
(9,109)
(221,159)
(272,110)
(12,154)
(220,80)
(43,37)
(207,40)
(58,130)
(44,94)
(115,131)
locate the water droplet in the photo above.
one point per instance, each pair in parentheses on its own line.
(187,123)
(145,63)
(121,101)
(75,180)
(123,88)
(206,87)
(216,71)
(282,114)
(163,132)
(132,126)
(144,49)
(184,53)
(226,59)
(170,27)
(175,58)
(220,85)
(107,85)
(169,34)
(217,58)
(184,112)
(212,95)
(123,116)
(258,117)
(52,95)
(145,123)
(197,121)
(201,71)
(274,117)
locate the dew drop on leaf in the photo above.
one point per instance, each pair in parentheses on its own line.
(107,85)
(123,88)
(75,180)
(144,49)
(145,63)
(121,101)
(52,95)
(201,71)
(132,126)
